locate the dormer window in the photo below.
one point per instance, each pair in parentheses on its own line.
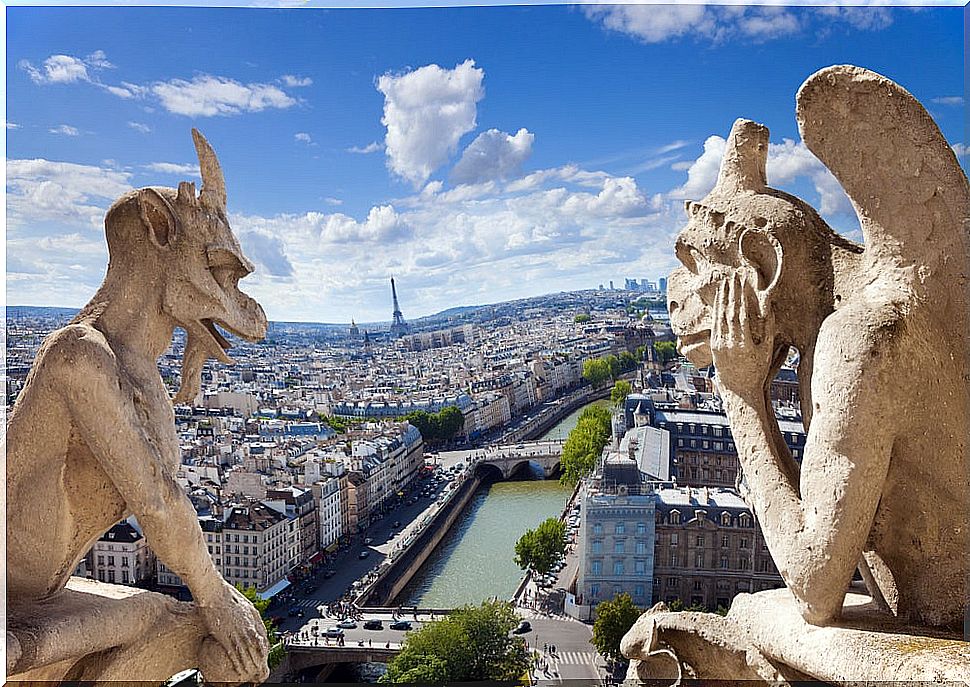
(725,519)
(675,517)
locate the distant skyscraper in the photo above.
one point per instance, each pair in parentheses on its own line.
(611,284)
(398,327)
(663,284)
(354,330)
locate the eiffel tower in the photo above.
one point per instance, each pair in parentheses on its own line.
(398,327)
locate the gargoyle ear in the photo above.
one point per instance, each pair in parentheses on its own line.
(159,218)
(763,253)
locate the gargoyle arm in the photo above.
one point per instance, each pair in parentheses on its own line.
(816,529)
(103,411)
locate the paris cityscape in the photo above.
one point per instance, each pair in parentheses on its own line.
(469,405)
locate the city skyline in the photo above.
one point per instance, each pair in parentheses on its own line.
(364,144)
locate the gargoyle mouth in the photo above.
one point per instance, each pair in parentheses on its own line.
(222,344)
(689,343)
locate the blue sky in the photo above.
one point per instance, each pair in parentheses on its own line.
(475,154)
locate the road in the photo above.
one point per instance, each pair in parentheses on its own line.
(347,565)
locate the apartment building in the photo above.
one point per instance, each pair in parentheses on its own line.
(122,556)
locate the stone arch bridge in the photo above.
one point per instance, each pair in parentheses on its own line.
(510,458)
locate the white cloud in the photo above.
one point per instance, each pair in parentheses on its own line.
(140,128)
(57,69)
(11,125)
(43,190)
(64,130)
(303,137)
(492,155)
(209,96)
(296,81)
(372,147)
(702,173)
(426,112)
(266,250)
(949,100)
(656,23)
(174,168)
(961,149)
(98,60)
(330,200)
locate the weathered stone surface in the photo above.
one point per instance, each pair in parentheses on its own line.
(92,440)
(884,374)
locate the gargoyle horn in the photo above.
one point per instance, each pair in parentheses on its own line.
(743,166)
(213,191)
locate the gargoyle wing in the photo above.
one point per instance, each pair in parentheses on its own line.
(901,175)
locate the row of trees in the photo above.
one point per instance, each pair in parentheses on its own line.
(584,444)
(471,644)
(437,428)
(598,371)
(540,548)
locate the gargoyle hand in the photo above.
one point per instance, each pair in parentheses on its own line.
(741,342)
(235,623)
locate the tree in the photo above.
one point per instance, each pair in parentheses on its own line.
(540,548)
(628,361)
(582,317)
(585,444)
(613,363)
(666,351)
(277,650)
(620,391)
(614,618)
(596,371)
(450,422)
(470,644)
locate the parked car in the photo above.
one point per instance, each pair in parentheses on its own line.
(401,625)
(363,554)
(347,624)
(334,632)
(523,627)
(373,624)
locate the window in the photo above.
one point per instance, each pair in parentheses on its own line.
(697,585)
(598,528)
(724,562)
(700,540)
(111,561)
(124,562)
(640,567)
(641,528)
(111,576)
(674,560)
(725,541)
(671,581)
(617,567)
(744,542)
(641,547)
(596,568)
(703,429)
(675,536)
(101,561)
(705,444)
(725,519)
(597,547)
(620,528)
(693,443)
(674,518)
(691,428)
(617,589)
(124,577)
(744,520)
(594,590)
(619,546)
(638,591)
(742,563)
(680,443)
(698,560)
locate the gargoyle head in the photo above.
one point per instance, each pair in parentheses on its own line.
(183,244)
(741,225)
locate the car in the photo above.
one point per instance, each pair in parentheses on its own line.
(347,624)
(334,632)
(373,624)
(328,573)
(401,625)
(523,627)
(294,610)
(368,541)
(363,554)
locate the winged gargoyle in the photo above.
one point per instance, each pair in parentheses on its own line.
(882,329)
(92,440)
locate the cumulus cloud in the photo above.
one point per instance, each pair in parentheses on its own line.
(296,81)
(209,96)
(174,168)
(11,125)
(960,149)
(492,155)
(303,137)
(655,23)
(266,250)
(43,190)
(702,173)
(373,147)
(140,128)
(57,69)
(426,112)
(64,130)
(956,100)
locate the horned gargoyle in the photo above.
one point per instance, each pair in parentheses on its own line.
(882,329)
(92,440)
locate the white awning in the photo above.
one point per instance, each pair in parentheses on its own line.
(274,590)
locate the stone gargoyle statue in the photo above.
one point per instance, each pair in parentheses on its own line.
(883,332)
(92,440)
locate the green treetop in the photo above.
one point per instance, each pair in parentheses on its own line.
(614,618)
(540,548)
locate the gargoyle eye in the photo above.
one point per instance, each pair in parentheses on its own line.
(689,256)
(225,265)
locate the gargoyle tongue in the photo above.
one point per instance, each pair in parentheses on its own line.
(202,342)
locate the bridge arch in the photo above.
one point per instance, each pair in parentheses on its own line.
(487,470)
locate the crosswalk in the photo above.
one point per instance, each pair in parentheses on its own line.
(577,658)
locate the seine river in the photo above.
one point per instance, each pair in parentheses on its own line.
(474,561)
